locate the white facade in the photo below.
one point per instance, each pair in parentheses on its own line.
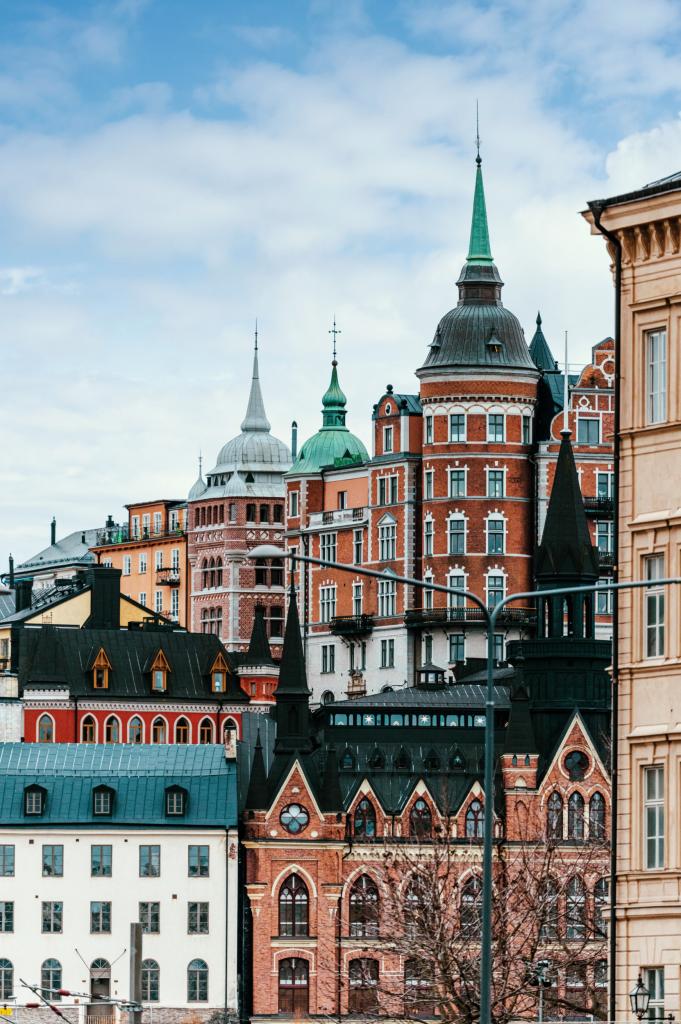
(173,948)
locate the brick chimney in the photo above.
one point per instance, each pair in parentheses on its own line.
(53,531)
(105,598)
(23,592)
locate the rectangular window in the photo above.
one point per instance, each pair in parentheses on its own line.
(342,499)
(387,440)
(427,649)
(146,524)
(457,647)
(158,601)
(527,429)
(654,608)
(173,521)
(100,861)
(100,917)
(428,537)
(495,589)
(654,982)
(428,484)
(387,653)
(457,581)
(6,860)
(496,533)
(293,500)
(197,919)
(457,483)
(588,430)
(198,861)
(499,648)
(327,603)
(135,527)
(328,658)
(150,918)
(174,604)
(428,429)
(604,602)
(363,655)
(150,861)
(142,561)
(387,542)
(158,560)
(495,428)
(127,565)
(393,490)
(605,536)
(656,376)
(53,860)
(7,916)
(604,482)
(382,490)
(52,917)
(428,594)
(387,594)
(457,427)
(328,546)
(143,597)
(358,547)
(175,559)
(653,817)
(157,522)
(356,598)
(101,803)
(495,483)
(457,536)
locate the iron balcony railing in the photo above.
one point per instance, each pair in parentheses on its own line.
(337,515)
(168,577)
(352,625)
(599,506)
(125,536)
(606,560)
(416,617)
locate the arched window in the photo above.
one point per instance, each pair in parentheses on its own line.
(151,981)
(576,909)
(576,816)
(600,904)
(418,989)
(6,979)
(471,908)
(88,730)
(363,994)
(294,984)
(158,731)
(328,697)
(182,731)
(45,729)
(229,726)
(197,982)
(549,894)
(364,908)
(135,730)
(475,820)
(206,731)
(112,731)
(554,816)
(293,907)
(218,572)
(597,817)
(50,978)
(420,820)
(416,914)
(365,819)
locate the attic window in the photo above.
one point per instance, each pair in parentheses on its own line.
(159,673)
(100,671)
(494,343)
(218,675)
(176,801)
(102,801)
(34,800)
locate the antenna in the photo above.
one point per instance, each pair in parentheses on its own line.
(335,331)
(478,159)
(256,334)
(200,462)
(565,388)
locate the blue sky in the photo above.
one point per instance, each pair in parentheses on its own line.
(171,170)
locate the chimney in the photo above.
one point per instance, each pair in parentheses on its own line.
(82,537)
(110,523)
(105,597)
(23,591)
(294,440)
(11,573)
(53,531)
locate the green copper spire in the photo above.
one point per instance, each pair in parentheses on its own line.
(334,401)
(479,252)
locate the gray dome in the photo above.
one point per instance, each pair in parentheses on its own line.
(479,334)
(198,488)
(252,451)
(235,487)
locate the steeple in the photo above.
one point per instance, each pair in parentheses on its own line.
(479,251)
(256,798)
(199,485)
(259,652)
(292,709)
(479,281)
(334,401)
(541,354)
(256,418)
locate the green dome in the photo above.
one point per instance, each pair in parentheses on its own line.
(333,444)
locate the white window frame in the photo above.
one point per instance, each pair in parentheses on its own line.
(494,574)
(387,598)
(175,559)
(653,817)
(127,565)
(143,598)
(654,608)
(327,603)
(428,594)
(461,476)
(428,534)
(328,659)
(158,522)
(590,419)
(496,472)
(428,428)
(428,484)
(357,599)
(457,437)
(328,546)
(387,541)
(489,534)
(142,561)
(388,435)
(174,603)
(358,546)
(293,503)
(158,601)
(526,428)
(457,518)
(158,560)
(388,653)
(654,982)
(456,578)
(494,439)
(135,527)
(458,639)
(656,375)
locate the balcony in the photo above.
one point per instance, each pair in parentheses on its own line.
(416,618)
(338,516)
(169,577)
(606,561)
(599,506)
(352,625)
(123,535)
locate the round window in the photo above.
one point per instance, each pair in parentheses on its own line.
(576,765)
(388,408)
(294,818)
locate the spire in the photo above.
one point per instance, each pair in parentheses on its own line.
(256,798)
(519,738)
(566,552)
(259,652)
(292,677)
(479,281)
(541,354)
(256,418)
(479,251)
(292,708)
(334,401)
(199,485)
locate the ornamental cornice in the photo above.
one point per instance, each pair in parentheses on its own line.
(476,398)
(642,243)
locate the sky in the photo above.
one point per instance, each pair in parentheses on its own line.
(169,171)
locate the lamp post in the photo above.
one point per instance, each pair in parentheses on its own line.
(539,976)
(639,997)
(490,618)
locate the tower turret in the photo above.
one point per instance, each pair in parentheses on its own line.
(292,696)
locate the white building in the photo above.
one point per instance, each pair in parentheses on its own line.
(95,837)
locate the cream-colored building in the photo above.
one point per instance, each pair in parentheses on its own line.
(644,230)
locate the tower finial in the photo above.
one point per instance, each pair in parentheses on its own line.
(256,334)
(566,421)
(200,462)
(335,331)
(478,158)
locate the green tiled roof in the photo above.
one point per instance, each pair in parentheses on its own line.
(138,774)
(333,445)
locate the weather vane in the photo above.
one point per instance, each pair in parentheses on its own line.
(477,132)
(335,331)
(256,334)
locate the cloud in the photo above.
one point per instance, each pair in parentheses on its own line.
(18,279)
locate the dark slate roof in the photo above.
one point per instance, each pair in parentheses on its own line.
(259,652)
(541,354)
(73,549)
(520,738)
(671,183)
(411,404)
(566,550)
(138,773)
(462,335)
(292,676)
(7,602)
(54,654)
(460,695)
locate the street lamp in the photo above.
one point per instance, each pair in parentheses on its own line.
(539,975)
(490,617)
(639,997)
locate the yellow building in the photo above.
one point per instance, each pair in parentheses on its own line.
(643,233)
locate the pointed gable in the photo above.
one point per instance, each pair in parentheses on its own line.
(541,354)
(566,550)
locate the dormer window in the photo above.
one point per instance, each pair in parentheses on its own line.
(176,801)
(218,675)
(159,669)
(101,667)
(102,801)
(35,798)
